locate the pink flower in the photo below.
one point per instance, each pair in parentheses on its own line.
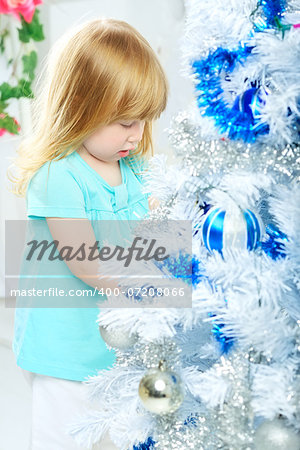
(24,7)
(4,130)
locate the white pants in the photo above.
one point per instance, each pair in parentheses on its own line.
(55,404)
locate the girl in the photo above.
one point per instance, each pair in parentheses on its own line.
(102,89)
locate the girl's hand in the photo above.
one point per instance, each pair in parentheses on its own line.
(153,202)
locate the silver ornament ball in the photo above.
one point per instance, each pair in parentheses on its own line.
(161,390)
(118,338)
(275,435)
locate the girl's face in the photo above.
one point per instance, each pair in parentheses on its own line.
(114,141)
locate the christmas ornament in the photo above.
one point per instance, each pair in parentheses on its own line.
(118,338)
(276,435)
(231,229)
(250,103)
(161,390)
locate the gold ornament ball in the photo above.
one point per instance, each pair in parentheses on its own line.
(161,391)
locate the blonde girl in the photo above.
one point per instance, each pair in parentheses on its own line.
(102,88)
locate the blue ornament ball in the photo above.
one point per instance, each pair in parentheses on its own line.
(231,229)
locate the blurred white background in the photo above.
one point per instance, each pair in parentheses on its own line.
(161,22)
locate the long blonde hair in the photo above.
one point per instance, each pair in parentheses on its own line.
(99,73)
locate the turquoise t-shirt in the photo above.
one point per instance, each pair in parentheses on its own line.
(65,342)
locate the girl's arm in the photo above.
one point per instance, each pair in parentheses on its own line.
(73,233)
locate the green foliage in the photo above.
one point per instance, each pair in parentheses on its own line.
(3,105)
(32,30)
(22,89)
(27,32)
(9,124)
(29,64)
(2,38)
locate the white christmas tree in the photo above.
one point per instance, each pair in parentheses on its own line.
(223,374)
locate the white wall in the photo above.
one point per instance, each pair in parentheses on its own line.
(160,21)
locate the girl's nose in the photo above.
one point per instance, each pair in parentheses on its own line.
(137,131)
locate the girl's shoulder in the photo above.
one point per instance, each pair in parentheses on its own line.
(58,168)
(56,190)
(55,175)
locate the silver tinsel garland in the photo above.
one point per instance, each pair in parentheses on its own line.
(227,427)
(148,355)
(217,157)
(235,418)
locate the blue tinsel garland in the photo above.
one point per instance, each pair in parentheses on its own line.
(269,10)
(149,444)
(235,124)
(274,245)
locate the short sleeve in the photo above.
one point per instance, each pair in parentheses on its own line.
(54,192)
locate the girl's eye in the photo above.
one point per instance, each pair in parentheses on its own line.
(127,125)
